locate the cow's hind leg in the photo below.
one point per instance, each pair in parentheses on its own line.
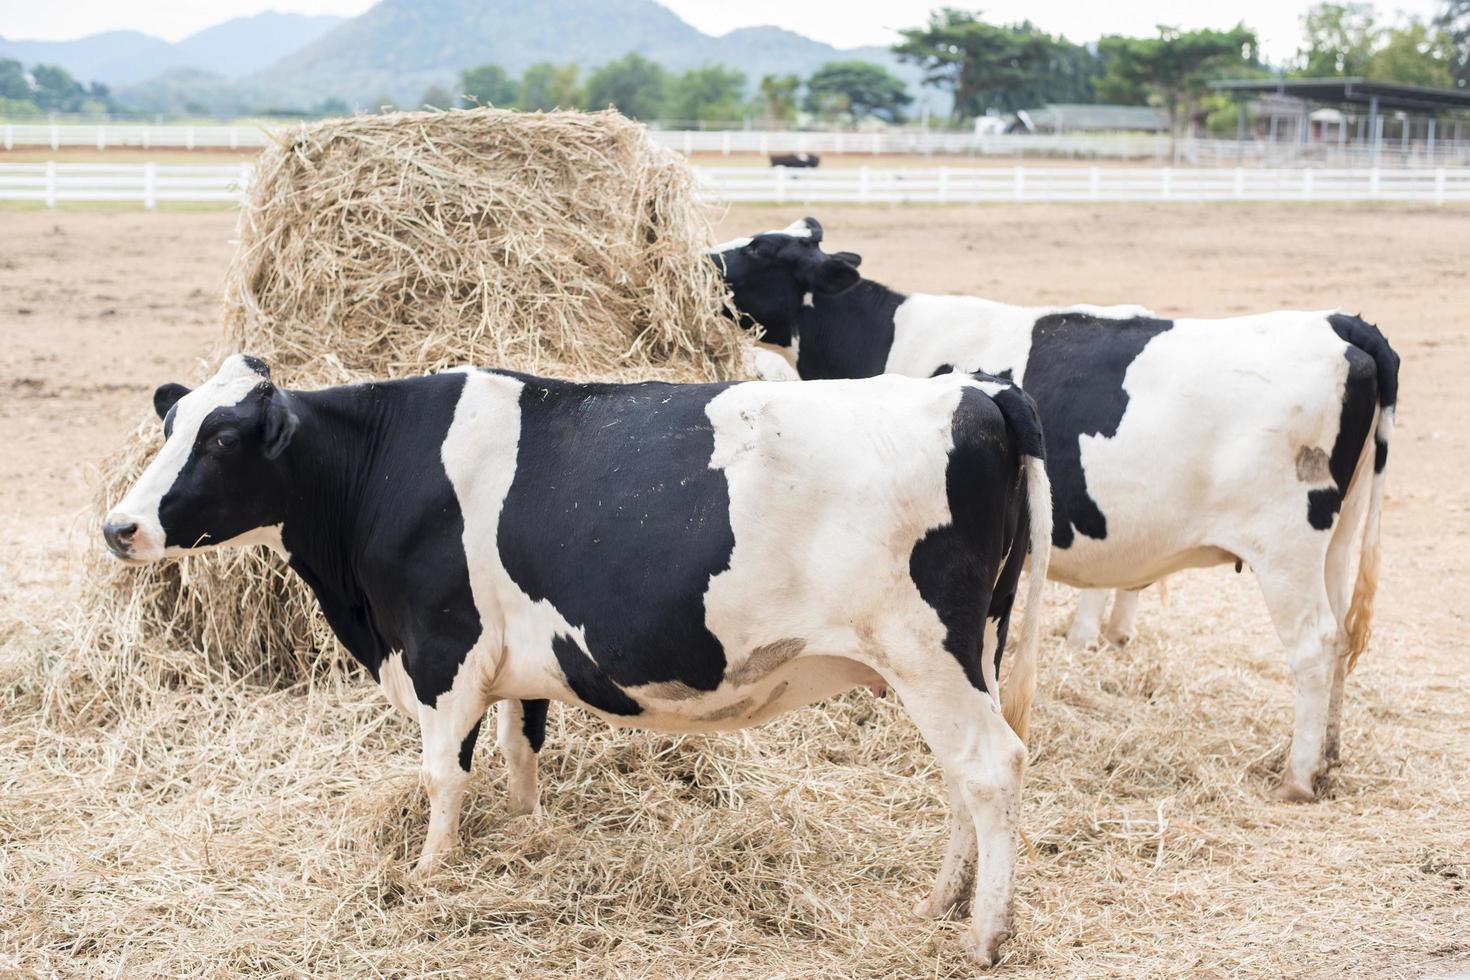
(983,762)
(956,881)
(1296,595)
(520,732)
(1122,622)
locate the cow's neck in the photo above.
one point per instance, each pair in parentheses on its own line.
(847,335)
(334,457)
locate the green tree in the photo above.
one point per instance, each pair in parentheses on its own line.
(1453,22)
(635,85)
(778,97)
(56,90)
(1337,39)
(984,65)
(13,84)
(708,94)
(545,86)
(1413,54)
(486,85)
(1174,68)
(438,97)
(856,88)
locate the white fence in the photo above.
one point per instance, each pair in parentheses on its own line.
(148,184)
(1203,152)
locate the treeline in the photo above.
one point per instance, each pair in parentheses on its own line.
(642,89)
(48,88)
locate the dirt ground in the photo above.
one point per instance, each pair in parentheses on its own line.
(96,309)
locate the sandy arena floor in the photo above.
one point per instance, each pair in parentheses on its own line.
(1156,851)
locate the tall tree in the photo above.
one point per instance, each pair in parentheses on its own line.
(1337,39)
(486,85)
(545,86)
(1453,22)
(13,84)
(1174,68)
(778,97)
(856,88)
(708,94)
(635,85)
(984,65)
(1413,54)
(56,90)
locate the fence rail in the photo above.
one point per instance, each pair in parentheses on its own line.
(149,184)
(1118,146)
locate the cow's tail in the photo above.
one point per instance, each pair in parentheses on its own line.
(1025,427)
(1367,338)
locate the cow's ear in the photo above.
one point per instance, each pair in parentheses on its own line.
(851,258)
(280,422)
(167,396)
(834,275)
(814,228)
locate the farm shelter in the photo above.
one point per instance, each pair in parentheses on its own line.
(232,824)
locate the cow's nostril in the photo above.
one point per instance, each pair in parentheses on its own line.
(119,535)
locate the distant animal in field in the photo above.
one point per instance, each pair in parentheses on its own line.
(799,160)
(1171,443)
(684,558)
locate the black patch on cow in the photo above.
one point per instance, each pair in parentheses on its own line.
(533,722)
(1369,339)
(467,747)
(847,334)
(616,518)
(1359,397)
(379,502)
(954,566)
(942,369)
(1075,372)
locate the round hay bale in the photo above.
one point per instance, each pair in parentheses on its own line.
(566,244)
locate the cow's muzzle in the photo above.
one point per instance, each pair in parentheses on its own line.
(119,533)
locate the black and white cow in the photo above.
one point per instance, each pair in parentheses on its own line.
(1171,443)
(796,160)
(677,557)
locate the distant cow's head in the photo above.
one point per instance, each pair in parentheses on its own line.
(218,478)
(774,273)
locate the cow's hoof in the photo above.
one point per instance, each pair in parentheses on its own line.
(932,908)
(1081,639)
(985,946)
(523,808)
(1119,638)
(1291,791)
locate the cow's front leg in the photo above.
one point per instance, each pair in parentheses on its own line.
(520,732)
(449,734)
(1122,623)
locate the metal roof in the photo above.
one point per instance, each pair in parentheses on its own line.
(1353,90)
(1101,117)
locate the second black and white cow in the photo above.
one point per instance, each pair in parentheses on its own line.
(1171,443)
(677,557)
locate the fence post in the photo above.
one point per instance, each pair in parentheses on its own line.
(246,173)
(150,185)
(51,183)
(1020,190)
(837,143)
(688,143)
(1239,183)
(1439,179)
(55,137)
(1373,180)
(864,185)
(725,143)
(943,185)
(877,144)
(145,137)
(234,138)
(1094,183)
(1307,184)
(1166,183)
(780,185)
(765,143)
(189,138)
(9,137)
(101,137)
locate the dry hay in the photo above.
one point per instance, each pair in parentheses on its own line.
(566,244)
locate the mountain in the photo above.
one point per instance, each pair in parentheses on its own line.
(119,58)
(399,48)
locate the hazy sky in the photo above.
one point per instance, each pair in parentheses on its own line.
(845,23)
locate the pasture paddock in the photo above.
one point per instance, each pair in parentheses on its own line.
(232,828)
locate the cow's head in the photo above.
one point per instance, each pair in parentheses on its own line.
(219,478)
(774,273)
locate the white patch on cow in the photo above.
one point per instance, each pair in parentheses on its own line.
(806,300)
(234,380)
(768,363)
(397,686)
(797,229)
(730,246)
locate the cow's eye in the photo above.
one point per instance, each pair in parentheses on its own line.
(226,440)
